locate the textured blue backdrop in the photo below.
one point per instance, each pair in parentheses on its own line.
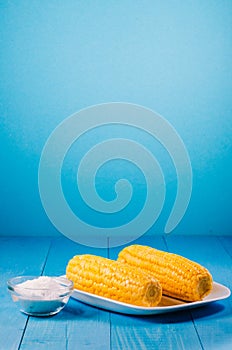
(173,57)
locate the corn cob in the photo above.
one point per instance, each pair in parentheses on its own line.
(114,280)
(179,277)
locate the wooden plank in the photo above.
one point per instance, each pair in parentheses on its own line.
(77,325)
(214,322)
(167,331)
(89,329)
(85,327)
(18,256)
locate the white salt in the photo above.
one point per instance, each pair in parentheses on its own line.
(44,287)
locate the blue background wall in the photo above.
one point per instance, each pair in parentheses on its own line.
(173,57)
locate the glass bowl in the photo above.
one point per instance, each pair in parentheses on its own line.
(40,295)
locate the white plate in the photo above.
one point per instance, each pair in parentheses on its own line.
(167,304)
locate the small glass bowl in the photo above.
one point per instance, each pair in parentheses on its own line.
(40,301)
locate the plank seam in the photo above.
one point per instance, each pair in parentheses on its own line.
(46,258)
(195,327)
(222,243)
(165,243)
(24,330)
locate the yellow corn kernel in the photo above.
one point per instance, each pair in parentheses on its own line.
(114,280)
(179,277)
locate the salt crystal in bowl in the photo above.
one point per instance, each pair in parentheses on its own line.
(40,296)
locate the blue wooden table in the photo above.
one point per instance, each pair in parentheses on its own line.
(79,326)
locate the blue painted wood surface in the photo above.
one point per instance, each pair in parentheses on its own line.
(79,326)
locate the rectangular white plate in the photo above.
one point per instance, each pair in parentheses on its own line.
(167,304)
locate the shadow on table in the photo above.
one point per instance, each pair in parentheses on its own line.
(186,315)
(181,316)
(76,309)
